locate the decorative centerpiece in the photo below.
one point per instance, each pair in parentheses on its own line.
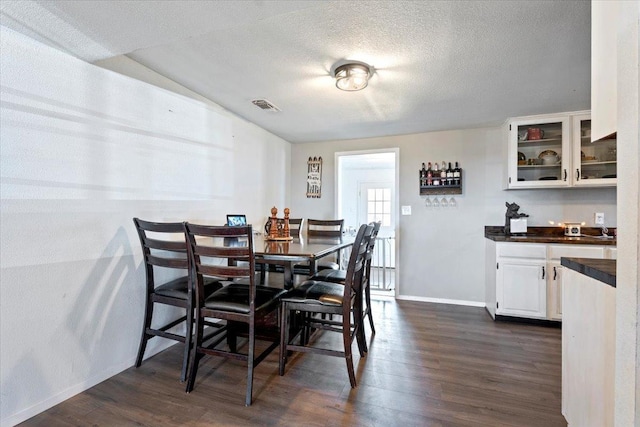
(279,228)
(514,221)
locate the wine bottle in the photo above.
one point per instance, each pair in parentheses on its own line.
(443,174)
(429,175)
(436,175)
(423,176)
(456,175)
(450,175)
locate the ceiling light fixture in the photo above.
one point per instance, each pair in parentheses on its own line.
(352,76)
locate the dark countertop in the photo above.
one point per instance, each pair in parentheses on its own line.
(603,270)
(549,235)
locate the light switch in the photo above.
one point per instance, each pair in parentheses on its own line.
(406,210)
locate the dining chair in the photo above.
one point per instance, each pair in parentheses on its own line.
(210,249)
(322,229)
(164,248)
(339,276)
(312,300)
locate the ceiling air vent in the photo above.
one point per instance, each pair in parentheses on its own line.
(265,105)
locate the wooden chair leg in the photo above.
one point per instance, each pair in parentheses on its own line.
(284,337)
(148,313)
(358,322)
(188,340)
(232,337)
(346,338)
(368,298)
(195,359)
(250,362)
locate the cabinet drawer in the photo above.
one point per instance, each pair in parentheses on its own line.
(575,251)
(521,250)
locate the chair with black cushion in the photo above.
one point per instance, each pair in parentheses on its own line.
(210,248)
(313,300)
(339,276)
(164,248)
(320,230)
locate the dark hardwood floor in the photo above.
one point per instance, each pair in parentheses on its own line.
(428,365)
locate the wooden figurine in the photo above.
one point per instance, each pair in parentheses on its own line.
(278,227)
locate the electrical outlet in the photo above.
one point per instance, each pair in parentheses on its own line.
(598,218)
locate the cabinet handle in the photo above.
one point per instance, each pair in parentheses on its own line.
(555,273)
(578,174)
(565,174)
(543,273)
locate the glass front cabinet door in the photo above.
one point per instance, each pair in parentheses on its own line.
(539,151)
(594,163)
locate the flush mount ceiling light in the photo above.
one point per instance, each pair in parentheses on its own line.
(352,76)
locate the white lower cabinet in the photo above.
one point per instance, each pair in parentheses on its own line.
(528,277)
(521,288)
(520,280)
(554,278)
(554,290)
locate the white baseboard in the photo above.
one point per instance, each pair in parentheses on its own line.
(442,301)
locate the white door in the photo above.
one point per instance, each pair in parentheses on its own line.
(376,204)
(367,191)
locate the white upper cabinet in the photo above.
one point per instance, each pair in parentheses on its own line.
(594,163)
(539,152)
(603,69)
(555,151)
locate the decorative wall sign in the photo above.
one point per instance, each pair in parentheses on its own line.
(314,177)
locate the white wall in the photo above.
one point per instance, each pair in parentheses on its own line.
(627,395)
(441,251)
(83,150)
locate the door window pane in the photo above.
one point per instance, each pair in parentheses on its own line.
(379,205)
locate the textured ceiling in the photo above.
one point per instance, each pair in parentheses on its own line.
(438,65)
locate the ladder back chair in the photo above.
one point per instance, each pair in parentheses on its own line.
(313,300)
(210,250)
(339,276)
(164,247)
(319,229)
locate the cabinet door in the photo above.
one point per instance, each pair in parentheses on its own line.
(604,71)
(554,290)
(539,154)
(594,163)
(521,288)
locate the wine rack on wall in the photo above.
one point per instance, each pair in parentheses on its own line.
(431,185)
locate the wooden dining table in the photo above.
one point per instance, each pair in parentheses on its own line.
(300,249)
